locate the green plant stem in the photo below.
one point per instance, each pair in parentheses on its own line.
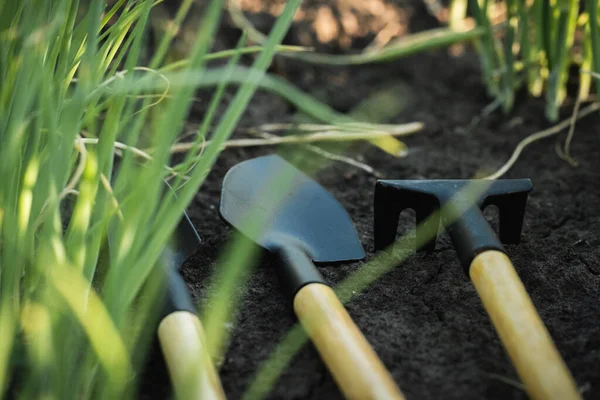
(201,135)
(403,47)
(487,52)
(528,49)
(538,58)
(509,60)
(546,24)
(567,21)
(591,6)
(585,78)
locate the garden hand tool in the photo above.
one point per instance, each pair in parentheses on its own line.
(180,332)
(308,225)
(484,259)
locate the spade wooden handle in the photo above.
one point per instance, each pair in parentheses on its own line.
(520,328)
(191,370)
(356,368)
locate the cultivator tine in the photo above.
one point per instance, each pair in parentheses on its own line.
(387,213)
(390,201)
(511,221)
(510,196)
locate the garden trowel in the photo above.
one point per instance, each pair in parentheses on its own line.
(180,332)
(458,205)
(298,221)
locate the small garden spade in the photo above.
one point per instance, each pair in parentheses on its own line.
(484,259)
(283,210)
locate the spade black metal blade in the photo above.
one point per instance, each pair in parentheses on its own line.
(184,240)
(303,212)
(182,244)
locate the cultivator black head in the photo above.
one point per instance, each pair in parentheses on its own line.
(460,211)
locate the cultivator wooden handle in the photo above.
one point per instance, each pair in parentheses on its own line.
(355,366)
(520,328)
(191,370)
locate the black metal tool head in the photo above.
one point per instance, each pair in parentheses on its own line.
(470,229)
(182,244)
(304,214)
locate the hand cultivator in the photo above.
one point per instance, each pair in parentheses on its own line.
(484,259)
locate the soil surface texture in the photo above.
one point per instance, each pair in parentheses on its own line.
(424,318)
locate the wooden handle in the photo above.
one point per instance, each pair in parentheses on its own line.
(520,328)
(355,367)
(191,370)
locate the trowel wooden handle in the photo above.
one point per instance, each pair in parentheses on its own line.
(355,366)
(191,370)
(520,328)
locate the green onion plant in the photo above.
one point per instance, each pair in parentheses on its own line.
(535,46)
(83,224)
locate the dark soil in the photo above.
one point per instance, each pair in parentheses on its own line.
(424,318)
